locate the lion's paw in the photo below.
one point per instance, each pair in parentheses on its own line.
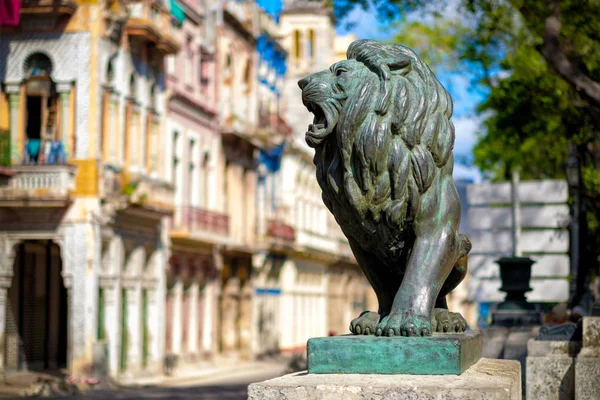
(365,323)
(443,320)
(404,324)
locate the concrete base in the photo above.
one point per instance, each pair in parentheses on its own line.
(587,365)
(551,369)
(587,381)
(486,380)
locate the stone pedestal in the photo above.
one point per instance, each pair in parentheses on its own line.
(486,380)
(551,369)
(587,366)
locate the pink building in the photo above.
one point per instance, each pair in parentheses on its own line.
(194,162)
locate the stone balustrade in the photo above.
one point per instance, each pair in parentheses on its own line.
(40,181)
(198,219)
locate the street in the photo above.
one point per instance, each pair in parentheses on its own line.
(229,386)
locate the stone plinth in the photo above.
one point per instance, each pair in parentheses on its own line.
(587,366)
(439,354)
(551,369)
(486,380)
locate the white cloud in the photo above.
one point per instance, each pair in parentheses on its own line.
(466,129)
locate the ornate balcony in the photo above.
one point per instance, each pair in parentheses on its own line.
(198,223)
(123,191)
(277,229)
(270,124)
(150,23)
(150,194)
(48,7)
(39,186)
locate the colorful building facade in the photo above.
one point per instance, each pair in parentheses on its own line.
(82,213)
(200,225)
(158,205)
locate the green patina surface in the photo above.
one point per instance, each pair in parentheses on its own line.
(440,354)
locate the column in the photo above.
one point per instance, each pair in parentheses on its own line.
(209,317)
(112,318)
(13,103)
(193,323)
(156,328)
(4,285)
(229,312)
(81,284)
(245,322)
(134,336)
(64,90)
(176,321)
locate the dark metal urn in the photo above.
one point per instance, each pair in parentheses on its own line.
(515,273)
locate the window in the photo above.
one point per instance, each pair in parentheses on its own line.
(37,64)
(205,179)
(228,62)
(248,74)
(110,73)
(297,44)
(153,103)
(192,173)
(171,65)
(189,55)
(132,87)
(204,77)
(311,43)
(175,161)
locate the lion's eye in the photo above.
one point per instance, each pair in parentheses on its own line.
(339,71)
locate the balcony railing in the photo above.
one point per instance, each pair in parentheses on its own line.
(274,124)
(152,23)
(197,219)
(40,182)
(279,230)
(151,194)
(64,7)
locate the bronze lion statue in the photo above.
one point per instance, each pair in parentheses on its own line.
(383,144)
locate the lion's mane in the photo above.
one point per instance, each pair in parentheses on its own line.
(390,141)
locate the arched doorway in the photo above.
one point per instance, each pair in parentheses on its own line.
(36,313)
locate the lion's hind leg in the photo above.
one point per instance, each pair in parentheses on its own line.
(443,320)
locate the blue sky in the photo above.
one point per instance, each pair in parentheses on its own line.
(365,24)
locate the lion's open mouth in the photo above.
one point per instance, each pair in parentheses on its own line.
(323,122)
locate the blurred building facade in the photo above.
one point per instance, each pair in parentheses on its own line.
(195,168)
(158,204)
(82,211)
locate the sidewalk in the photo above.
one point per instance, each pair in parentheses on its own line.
(194,374)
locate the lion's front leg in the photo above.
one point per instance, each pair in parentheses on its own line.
(435,251)
(431,261)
